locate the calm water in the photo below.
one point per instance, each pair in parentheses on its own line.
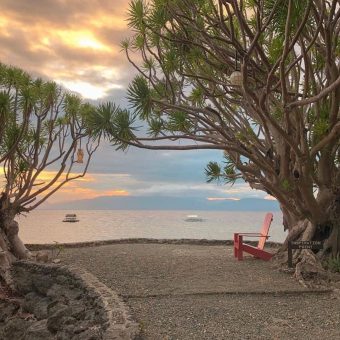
(46,226)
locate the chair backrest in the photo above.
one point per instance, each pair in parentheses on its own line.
(265,230)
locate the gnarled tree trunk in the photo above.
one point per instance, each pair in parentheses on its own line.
(11,246)
(325,228)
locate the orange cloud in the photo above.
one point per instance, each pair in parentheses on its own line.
(73,42)
(115,193)
(79,188)
(86,193)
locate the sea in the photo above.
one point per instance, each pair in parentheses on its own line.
(46,226)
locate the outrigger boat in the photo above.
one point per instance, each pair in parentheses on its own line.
(70,218)
(193,218)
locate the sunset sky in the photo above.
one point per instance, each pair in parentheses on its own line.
(76,43)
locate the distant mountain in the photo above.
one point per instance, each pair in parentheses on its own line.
(164,203)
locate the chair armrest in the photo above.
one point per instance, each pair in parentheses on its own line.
(256,234)
(252,235)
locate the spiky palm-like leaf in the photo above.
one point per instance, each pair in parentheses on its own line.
(139,97)
(122,129)
(178,121)
(156,126)
(213,172)
(137,12)
(100,120)
(278,22)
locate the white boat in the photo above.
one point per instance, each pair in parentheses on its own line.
(70,218)
(193,218)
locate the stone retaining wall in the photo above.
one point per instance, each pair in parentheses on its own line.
(203,242)
(67,303)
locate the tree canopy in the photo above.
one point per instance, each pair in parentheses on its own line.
(256,79)
(43,129)
(47,138)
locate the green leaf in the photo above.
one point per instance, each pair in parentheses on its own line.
(197,96)
(213,172)
(178,121)
(136,14)
(275,48)
(139,97)
(72,104)
(101,120)
(122,130)
(278,22)
(156,126)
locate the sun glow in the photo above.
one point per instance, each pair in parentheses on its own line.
(83,39)
(86,90)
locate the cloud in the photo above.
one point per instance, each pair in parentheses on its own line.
(68,41)
(77,43)
(75,193)
(223,199)
(270,198)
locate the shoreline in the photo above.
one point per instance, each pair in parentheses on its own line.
(184,241)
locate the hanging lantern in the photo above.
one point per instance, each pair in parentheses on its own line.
(80,156)
(236,78)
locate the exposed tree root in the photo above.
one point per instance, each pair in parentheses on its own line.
(309,271)
(295,233)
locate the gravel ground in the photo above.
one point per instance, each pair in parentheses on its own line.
(202,292)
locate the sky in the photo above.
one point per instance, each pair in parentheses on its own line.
(77,44)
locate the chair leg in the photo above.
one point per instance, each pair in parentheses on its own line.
(235,245)
(239,250)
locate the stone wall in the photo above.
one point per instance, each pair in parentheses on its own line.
(201,242)
(66,303)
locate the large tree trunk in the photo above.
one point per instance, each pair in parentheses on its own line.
(308,263)
(11,247)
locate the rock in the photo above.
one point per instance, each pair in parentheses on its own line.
(62,279)
(36,304)
(29,301)
(63,336)
(7,310)
(40,308)
(38,331)
(15,328)
(58,290)
(22,280)
(41,283)
(78,310)
(55,306)
(42,256)
(93,333)
(60,318)
(56,261)
(81,327)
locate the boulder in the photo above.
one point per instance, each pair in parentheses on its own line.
(7,310)
(59,319)
(16,328)
(38,331)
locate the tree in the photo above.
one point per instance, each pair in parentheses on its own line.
(44,134)
(258,79)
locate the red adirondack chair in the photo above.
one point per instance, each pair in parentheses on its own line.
(240,247)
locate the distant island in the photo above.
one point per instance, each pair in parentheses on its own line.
(165,203)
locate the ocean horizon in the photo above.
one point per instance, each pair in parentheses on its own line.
(46,226)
